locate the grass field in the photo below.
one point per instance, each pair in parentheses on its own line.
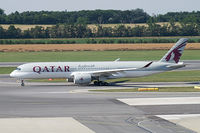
(6,70)
(92,56)
(171,76)
(161,89)
(91,47)
(93,26)
(113,40)
(24,27)
(107,56)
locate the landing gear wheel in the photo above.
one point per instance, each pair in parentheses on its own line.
(106,83)
(100,83)
(96,83)
(22,83)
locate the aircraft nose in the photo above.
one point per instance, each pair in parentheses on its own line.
(13,74)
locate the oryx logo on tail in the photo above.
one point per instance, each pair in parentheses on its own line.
(174,54)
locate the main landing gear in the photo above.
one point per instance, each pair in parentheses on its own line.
(100,83)
(22,83)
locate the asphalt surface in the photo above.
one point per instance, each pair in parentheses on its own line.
(190,64)
(11,64)
(100,112)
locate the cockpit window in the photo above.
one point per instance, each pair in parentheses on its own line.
(18,69)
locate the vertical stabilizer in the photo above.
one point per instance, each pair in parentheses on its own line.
(174,54)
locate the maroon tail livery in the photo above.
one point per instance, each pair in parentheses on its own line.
(174,54)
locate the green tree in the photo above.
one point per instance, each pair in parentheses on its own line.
(38,32)
(121,31)
(139,31)
(1,12)
(2,32)
(13,32)
(153,28)
(82,20)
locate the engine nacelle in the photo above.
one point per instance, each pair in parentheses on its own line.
(70,80)
(82,78)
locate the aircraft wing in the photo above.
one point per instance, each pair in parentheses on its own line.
(109,72)
(114,71)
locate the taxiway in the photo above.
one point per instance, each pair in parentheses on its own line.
(99,112)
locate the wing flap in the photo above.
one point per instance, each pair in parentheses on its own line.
(110,72)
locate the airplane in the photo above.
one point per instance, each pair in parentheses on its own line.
(85,73)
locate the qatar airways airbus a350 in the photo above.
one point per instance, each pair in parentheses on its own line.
(99,72)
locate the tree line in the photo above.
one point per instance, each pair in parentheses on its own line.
(83,31)
(94,17)
(78,17)
(179,17)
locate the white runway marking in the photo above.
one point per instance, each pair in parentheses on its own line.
(190,121)
(161,101)
(64,92)
(42,125)
(178,117)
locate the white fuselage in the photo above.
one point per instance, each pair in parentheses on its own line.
(86,72)
(66,69)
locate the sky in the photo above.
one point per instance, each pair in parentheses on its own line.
(152,7)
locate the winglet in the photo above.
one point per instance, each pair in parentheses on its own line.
(174,54)
(118,59)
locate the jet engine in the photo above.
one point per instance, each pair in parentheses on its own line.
(70,80)
(82,78)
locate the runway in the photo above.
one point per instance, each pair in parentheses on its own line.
(190,64)
(100,112)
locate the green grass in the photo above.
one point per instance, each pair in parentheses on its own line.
(6,70)
(114,40)
(171,76)
(161,89)
(92,56)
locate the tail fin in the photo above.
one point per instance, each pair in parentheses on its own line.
(174,54)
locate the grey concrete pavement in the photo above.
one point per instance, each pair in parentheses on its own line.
(100,112)
(11,64)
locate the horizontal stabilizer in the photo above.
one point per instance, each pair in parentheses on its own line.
(176,66)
